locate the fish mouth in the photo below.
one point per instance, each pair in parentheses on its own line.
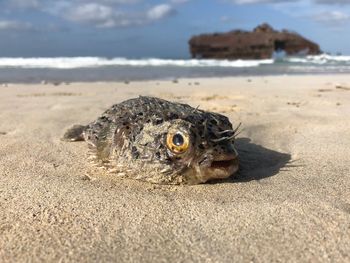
(224,167)
(220,168)
(222,164)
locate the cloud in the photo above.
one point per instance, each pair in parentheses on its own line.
(312,2)
(39,3)
(23,4)
(324,2)
(99,13)
(331,17)
(245,2)
(12,25)
(333,2)
(160,11)
(108,16)
(116,1)
(91,13)
(225,19)
(179,1)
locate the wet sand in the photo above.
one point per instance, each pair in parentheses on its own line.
(290,200)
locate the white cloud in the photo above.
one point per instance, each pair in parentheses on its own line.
(333,2)
(90,13)
(108,16)
(94,14)
(245,2)
(40,3)
(14,25)
(311,2)
(160,11)
(225,19)
(179,1)
(99,13)
(331,17)
(24,3)
(117,1)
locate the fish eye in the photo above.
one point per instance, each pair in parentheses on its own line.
(178,139)
(178,142)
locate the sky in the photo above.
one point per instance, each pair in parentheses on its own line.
(157,28)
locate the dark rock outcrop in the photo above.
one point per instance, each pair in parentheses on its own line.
(261,43)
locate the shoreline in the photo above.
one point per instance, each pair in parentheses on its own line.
(129,73)
(175,79)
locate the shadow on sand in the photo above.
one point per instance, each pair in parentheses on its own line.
(257,162)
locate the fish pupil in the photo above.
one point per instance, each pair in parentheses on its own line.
(178,140)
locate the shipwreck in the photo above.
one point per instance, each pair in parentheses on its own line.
(261,43)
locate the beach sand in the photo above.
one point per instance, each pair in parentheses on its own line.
(289,202)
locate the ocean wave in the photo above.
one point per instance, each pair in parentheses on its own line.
(322,59)
(94,62)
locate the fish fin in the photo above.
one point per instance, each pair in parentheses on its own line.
(74,134)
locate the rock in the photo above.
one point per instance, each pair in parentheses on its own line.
(261,43)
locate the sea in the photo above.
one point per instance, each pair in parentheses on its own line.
(90,69)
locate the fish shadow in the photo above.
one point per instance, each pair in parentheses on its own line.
(257,162)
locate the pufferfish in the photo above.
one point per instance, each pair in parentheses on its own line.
(161,142)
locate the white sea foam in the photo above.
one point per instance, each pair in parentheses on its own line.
(94,62)
(319,59)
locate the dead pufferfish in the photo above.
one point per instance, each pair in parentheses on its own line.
(162,142)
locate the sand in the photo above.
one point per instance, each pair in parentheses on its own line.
(289,202)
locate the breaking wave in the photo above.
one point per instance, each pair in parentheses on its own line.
(323,59)
(98,62)
(95,62)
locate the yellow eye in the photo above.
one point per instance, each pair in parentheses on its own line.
(177,142)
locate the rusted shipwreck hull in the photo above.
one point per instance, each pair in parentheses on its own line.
(261,43)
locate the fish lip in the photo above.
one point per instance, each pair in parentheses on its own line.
(228,164)
(222,163)
(221,167)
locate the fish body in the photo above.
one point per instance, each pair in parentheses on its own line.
(158,141)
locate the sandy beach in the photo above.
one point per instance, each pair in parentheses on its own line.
(290,201)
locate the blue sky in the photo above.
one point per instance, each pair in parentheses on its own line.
(157,28)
